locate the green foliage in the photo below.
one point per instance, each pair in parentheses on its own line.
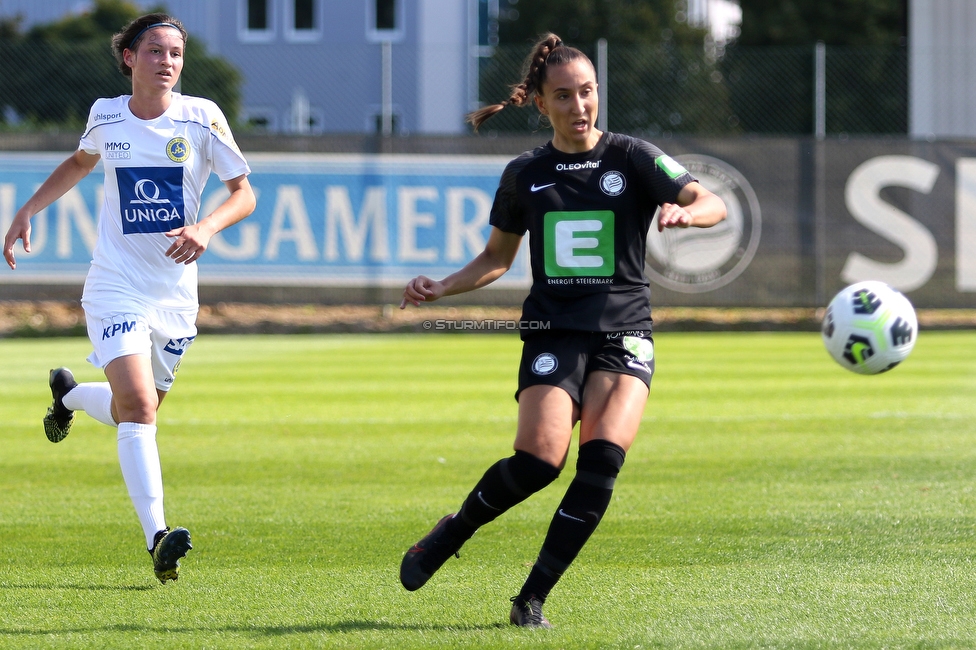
(10,27)
(53,73)
(583,22)
(664,80)
(105,19)
(211,77)
(772,500)
(772,62)
(835,22)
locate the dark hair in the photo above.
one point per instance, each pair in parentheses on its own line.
(548,50)
(134,31)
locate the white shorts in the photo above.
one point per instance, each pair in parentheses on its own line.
(120,327)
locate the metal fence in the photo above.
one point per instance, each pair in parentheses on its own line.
(665,90)
(651,91)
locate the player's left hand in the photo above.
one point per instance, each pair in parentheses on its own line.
(673,215)
(189,243)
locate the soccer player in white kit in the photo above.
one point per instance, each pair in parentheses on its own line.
(158,148)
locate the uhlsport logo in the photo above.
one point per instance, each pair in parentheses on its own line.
(178,149)
(696,260)
(545,364)
(150,198)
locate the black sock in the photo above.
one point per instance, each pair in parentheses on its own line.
(578,515)
(506,483)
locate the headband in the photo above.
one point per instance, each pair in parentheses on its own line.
(148,27)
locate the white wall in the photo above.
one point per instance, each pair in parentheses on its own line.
(442,66)
(942,68)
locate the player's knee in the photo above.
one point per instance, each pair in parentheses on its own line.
(135,407)
(529,473)
(600,458)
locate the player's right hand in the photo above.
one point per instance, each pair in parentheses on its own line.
(421,289)
(19,229)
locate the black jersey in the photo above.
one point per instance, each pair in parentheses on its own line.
(587,215)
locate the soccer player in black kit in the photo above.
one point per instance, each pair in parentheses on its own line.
(588,199)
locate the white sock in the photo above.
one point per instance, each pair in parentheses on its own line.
(139,458)
(95,399)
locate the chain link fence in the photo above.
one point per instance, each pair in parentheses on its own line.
(650,91)
(662,90)
(50,86)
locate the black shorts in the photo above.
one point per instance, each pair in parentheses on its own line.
(565,358)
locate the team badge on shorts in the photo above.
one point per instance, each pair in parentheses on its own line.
(642,351)
(545,364)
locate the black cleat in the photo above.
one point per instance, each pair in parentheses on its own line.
(527,612)
(57,422)
(428,555)
(168,547)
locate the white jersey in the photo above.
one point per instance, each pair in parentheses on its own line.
(155,172)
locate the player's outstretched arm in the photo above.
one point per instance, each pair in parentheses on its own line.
(63,178)
(190,242)
(488,266)
(696,207)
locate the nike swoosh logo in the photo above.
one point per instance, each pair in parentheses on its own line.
(563,514)
(488,505)
(536,188)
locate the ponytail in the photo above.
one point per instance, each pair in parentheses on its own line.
(549,50)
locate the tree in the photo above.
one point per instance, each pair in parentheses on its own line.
(661,77)
(53,73)
(835,22)
(105,19)
(583,22)
(771,65)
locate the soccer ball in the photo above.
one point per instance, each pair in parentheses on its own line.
(869,328)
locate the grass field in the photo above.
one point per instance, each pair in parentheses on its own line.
(771,500)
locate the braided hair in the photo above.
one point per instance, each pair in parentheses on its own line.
(548,51)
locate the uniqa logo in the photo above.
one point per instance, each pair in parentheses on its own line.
(696,260)
(147,194)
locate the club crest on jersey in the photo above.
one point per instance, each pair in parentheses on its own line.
(613,183)
(178,149)
(150,199)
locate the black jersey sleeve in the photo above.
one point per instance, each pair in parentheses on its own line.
(506,211)
(660,175)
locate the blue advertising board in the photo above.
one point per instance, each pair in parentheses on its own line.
(321,220)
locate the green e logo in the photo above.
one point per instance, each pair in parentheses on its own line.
(579,243)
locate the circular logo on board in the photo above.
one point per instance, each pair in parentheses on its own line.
(613,183)
(696,260)
(545,364)
(178,149)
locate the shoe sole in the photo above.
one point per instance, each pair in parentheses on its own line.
(172,548)
(55,431)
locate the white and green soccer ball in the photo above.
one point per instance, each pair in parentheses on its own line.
(869,327)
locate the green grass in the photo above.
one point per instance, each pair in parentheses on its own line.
(771,500)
